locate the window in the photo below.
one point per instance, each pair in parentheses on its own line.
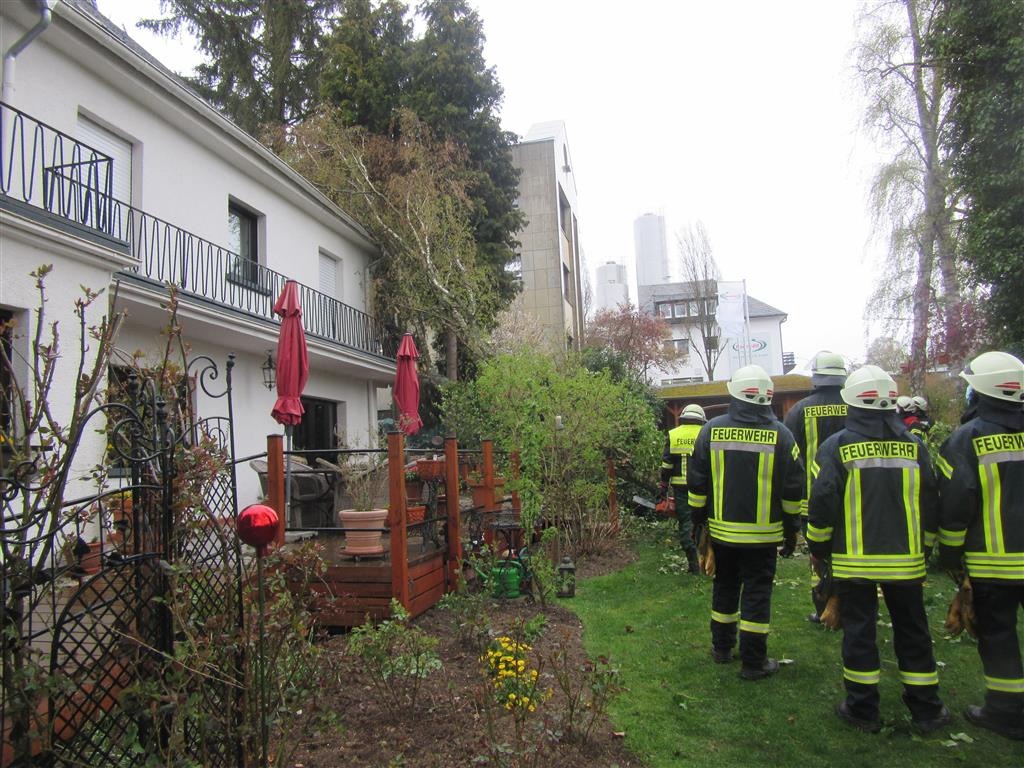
(664,309)
(329,274)
(679,309)
(243,241)
(694,308)
(119,150)
(679,347)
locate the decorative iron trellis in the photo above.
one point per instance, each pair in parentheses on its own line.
(100,649)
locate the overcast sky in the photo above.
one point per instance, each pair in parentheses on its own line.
(744,115)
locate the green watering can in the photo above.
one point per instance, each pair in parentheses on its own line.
(506,578)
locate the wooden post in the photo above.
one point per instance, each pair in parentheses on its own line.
(275,482)
(613,499)
(488,490)
(451,495)
(397,519)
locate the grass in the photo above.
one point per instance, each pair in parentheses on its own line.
(681,709)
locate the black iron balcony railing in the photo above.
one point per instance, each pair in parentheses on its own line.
(47,169)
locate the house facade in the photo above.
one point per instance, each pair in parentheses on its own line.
(123,179)
(550,256)
(686,311)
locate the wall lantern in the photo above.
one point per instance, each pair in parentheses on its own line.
(566,578)
(269,378)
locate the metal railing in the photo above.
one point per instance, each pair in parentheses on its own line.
(48,169)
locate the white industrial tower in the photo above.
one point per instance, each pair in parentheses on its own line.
(651,250)
(612,286)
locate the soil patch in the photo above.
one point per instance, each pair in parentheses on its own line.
(449,727)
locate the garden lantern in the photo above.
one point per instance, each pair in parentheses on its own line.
(269,372)
(566,578)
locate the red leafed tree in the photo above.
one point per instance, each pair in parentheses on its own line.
(637,339)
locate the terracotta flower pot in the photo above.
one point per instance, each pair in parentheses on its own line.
(92,561)
(415,514)
(430,469)
(363,542)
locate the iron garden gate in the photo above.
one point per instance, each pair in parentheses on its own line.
(138,659)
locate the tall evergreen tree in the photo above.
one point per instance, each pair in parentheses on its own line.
(264,56)
(366,67)
(981,44)
(452,90)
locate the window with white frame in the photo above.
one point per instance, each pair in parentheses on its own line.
(118,149)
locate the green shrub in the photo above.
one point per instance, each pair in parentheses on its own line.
(397,657)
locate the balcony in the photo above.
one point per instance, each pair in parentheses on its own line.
(52,177)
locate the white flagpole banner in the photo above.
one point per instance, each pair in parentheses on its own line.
(731,313)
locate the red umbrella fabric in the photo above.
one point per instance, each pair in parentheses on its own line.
(292,360)
(407,387)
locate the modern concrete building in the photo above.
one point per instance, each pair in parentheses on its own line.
(612,286)
(651,250)
(686,310)
(550,250)
(121,177)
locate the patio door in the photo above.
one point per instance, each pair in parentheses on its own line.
(318,429)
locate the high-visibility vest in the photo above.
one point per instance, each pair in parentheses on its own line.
(812,421)
(680,447)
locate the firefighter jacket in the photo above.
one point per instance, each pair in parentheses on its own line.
(812,421)
(678,448)
(981,479)
(874,503)
(746,478)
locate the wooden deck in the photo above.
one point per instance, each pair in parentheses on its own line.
(415,569)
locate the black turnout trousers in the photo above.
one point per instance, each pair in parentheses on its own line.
(858,610)
(995,609)
(742,600)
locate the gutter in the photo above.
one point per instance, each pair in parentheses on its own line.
(45,17)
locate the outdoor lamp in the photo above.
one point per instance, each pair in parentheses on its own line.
(269,380)
(566,578)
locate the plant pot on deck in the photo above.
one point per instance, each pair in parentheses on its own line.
(415,513)
(365,542)
(479,491)
(430,469)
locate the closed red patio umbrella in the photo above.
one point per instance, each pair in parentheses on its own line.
(407,387)
(292,367)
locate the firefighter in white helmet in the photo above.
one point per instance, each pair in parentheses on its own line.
(746,482)
(812,421)
(981,529)
(872,517)
(674,461)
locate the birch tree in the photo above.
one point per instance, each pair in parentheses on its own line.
(913,202)
(700,273)
(410,193)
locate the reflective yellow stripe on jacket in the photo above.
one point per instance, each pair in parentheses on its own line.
(995,562)
(753,440)
(680,443)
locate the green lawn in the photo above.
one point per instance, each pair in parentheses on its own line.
(681,709)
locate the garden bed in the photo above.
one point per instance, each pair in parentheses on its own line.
(448,729)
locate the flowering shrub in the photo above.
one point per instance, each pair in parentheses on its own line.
(515,683)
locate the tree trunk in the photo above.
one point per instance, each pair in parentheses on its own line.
(451,354)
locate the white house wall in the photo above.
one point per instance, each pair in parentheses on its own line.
(186,166)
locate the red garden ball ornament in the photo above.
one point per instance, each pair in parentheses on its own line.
(257,526)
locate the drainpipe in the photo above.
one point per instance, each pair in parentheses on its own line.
(45,17)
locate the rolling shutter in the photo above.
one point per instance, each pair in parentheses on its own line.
(329,276)
(119,150)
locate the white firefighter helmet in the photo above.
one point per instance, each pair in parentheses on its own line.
(996,374)
(920,404)
(870,387)
(693,411)
(904,404)
(751,384)
(828,369)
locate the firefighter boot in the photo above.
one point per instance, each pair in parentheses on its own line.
(769,667)
(980,717)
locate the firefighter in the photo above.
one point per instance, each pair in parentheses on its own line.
(981,529)
(873,516)
(746,482)
(913,412)
(678,448)
(812,421)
